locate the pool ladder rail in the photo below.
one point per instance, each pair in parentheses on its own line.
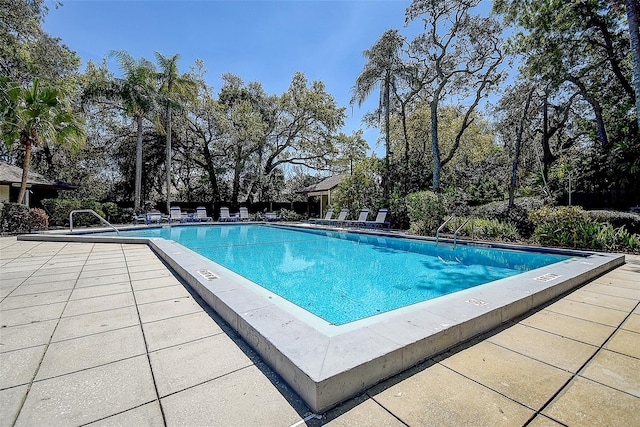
(455,234)
(91,211)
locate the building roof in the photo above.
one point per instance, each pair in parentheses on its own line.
(10,174)
(323,186)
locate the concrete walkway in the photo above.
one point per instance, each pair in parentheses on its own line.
(104,334)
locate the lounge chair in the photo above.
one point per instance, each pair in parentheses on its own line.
(153,217)
(271,216)
(175,214)
(225,216)
(342,217)
(201,214)
(244,214)
(362,217)
(380,221)
(326,218)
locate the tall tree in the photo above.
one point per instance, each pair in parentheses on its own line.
(136,94)
(462,54)
(32,115)
(383,69)
(634,35)
(173,88)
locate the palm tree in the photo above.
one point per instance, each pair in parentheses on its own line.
(173,88)
(384,64)
(33,115)
(136,93)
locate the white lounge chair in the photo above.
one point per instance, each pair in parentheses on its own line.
(380,221)
(175,214)
(327,217)
(201,214)
(342,217)
(225,216)
(271,216)
(244,214)
(362,217)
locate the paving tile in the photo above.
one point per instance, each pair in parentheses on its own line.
(549,348)
(585,403)
(625,342)
(518,377)
(542,421)
(22,316)
(615,370)
(593,313)
(166,309)
(140,285)
(100,290)
(438,396)
(161,294)
(60,272)
(630,282)
(73,355)
(92,323)
(22,301)
(101,303)
(570,327)
(601,300)
(179,330)
(359,412)
(69,277)
(11,399)
(89,395)
(195,362)
(42,287)
(18,367)
(148,415)
(104,266)
(105,269)
(151,274)
(632,323)
(103,280)
(613,290)
(28,335)
(238,399)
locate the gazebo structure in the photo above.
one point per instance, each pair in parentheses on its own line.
(323,190)
(38,187)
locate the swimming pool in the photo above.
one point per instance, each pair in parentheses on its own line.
(344,277)
(327,363)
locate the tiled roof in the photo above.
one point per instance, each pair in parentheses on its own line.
(10,174)
(328,183)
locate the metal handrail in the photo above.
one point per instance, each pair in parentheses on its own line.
(94,214)
(455,234)
(441,227)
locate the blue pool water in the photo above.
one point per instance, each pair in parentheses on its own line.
(343,277)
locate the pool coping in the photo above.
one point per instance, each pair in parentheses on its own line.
(327,368)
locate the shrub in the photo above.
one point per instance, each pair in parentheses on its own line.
(518,216)
(59,209)
(483,228)
(398,213)
(15,218)
(287,215)
(629,220)
(38,219)
(110,210)
(426,212)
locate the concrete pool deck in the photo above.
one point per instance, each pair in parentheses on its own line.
(106,334)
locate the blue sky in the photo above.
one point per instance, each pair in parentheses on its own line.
(265,41)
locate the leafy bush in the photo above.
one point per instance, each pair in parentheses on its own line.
(574,227)
(398,212)
(59,209)
(15,218)
(483,228)
(518,216)
(485,190)
(287,215)
(426,212)
(110,210)
(629,220)
(38,219)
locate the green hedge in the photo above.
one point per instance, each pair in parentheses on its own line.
(426,211)
(629,220)
(16,218)
(574,227)
(518,215)
(483,229)
(59,210)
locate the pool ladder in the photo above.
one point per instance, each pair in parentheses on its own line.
(91,211)
(455,234)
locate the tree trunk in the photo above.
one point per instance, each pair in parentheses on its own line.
(138,183)
(168,159)
(213,179)
(387,143)
(25,171)
(434,144)
(634,33)
(516,154)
